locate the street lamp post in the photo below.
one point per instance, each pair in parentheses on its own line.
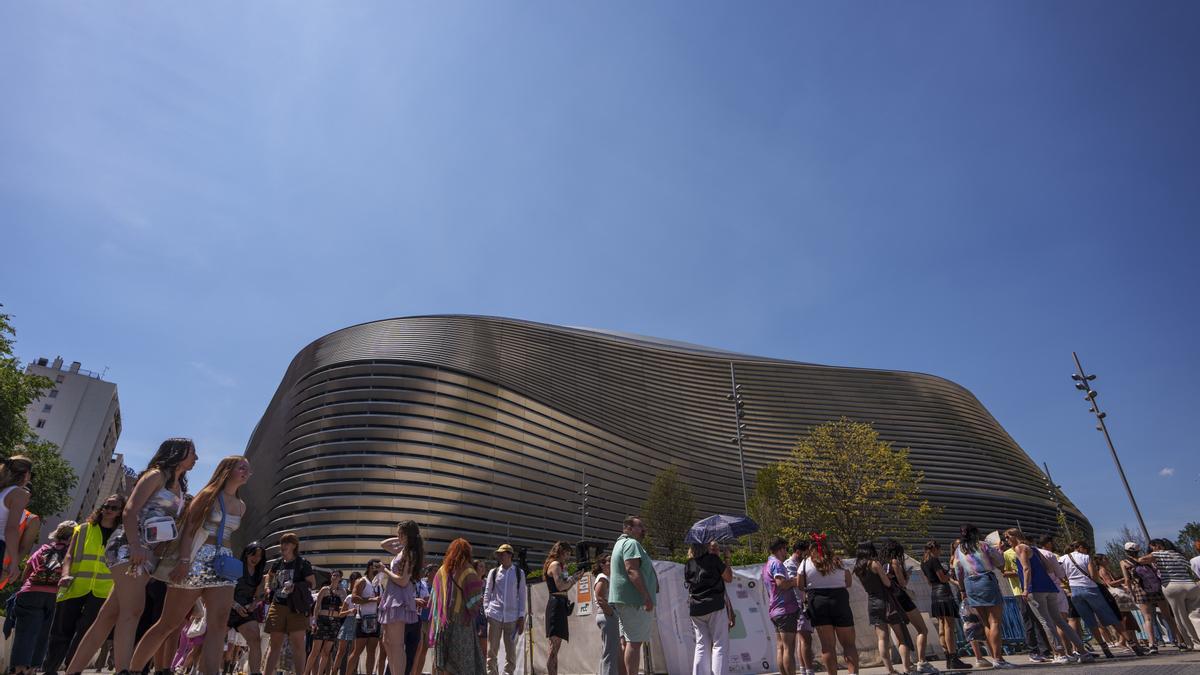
(1083,382)
(739,427)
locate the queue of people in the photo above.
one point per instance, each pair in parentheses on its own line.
(153,576)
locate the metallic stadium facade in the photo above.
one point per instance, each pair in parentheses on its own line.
(488,428)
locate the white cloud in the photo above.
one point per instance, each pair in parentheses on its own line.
(212,375)
(1167,471)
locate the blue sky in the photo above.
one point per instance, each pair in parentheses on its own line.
(189,194)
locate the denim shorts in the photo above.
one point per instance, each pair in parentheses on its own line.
(983,590)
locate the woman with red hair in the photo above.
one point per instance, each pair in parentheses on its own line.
(455,602)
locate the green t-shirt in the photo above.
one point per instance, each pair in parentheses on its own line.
(1010,565)
(620,589)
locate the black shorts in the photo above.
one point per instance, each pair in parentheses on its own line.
(906,602)
(877,610)
(830,607)
(359,630)
(786,624)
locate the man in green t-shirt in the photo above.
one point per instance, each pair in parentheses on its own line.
(631,589)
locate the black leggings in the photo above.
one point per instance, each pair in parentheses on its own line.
(72,618)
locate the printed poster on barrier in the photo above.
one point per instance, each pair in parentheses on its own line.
(583,595)
(751,648)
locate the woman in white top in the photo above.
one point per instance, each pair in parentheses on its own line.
(825,582)
(159,494)
(366,597)
(15,474)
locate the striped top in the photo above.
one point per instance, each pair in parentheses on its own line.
(983,560)
(1172,567)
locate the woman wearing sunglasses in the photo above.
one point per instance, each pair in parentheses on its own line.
(85,584)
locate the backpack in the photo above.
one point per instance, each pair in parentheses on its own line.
(1147,577)
(491,578)
(48,568)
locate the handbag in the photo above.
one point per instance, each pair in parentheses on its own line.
(225,565)
(158,530)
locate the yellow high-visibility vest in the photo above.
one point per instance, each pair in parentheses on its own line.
(88,571)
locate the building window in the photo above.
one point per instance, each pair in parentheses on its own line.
(53,393)
(47,407)
(41,423)
(60,379)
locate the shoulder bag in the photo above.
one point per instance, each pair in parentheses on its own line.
(225,565)
(1108,596)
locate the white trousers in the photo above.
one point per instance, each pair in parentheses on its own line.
(712,643)
(1184,598)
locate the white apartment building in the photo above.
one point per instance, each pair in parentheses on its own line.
(82,416)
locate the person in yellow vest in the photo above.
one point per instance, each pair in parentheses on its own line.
(86,582)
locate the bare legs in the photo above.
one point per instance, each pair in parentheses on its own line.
(120,614)
(991,617)
(393,644)
(844,636)
(370,645)
(178,603)
(552,657)
(253,634)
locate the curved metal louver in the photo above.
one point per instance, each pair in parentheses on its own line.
(486,427)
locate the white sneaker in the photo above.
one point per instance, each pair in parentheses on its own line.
(927,667)
(1061,660)
(983,663)
(1004,665)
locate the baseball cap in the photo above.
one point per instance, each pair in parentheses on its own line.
(1130,546)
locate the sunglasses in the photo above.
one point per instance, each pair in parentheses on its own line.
(111,507)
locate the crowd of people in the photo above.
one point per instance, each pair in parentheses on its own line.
(149,583)
(808,593)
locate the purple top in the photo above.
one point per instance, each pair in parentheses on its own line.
(782,603)
(398,604)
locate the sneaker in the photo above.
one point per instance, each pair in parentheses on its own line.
(955,663)
(1087,657)
(927,667)
(1073,658)
(1004,665)
(1153,649)
(1061,660)
(983,663)
(1038,658)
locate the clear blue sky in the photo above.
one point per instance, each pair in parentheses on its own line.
(190,194)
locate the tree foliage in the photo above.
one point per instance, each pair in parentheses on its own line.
(1187,537)
(844,481)
(669,511)
(53,477)
(764,504)
(1115,548)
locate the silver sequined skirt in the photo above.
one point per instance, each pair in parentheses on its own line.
(201,574)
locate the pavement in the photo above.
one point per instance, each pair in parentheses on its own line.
(1169,661)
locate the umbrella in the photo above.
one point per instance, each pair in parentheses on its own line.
(720,528)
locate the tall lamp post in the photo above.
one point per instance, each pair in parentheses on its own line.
(739,428)
(1083,382)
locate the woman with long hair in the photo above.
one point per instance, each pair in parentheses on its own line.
(705,576)
(1041,591)
(131,553)
(882,610)
(349,617)
(365,595)
(289,583)
(244,617)
(211,519)
(1125,604)
(611,662)
(15,474)
(33,605)
(327,606)
(558,606)
(894,564)
(826,584)
(943,606)
(456,601)
(974,560)
(86,582)
(398,602)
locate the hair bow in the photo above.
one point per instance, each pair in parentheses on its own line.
(819,538)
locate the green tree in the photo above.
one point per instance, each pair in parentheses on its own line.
(1187,537)
(669,511)
(844,481)
(764,504)
(53,477)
